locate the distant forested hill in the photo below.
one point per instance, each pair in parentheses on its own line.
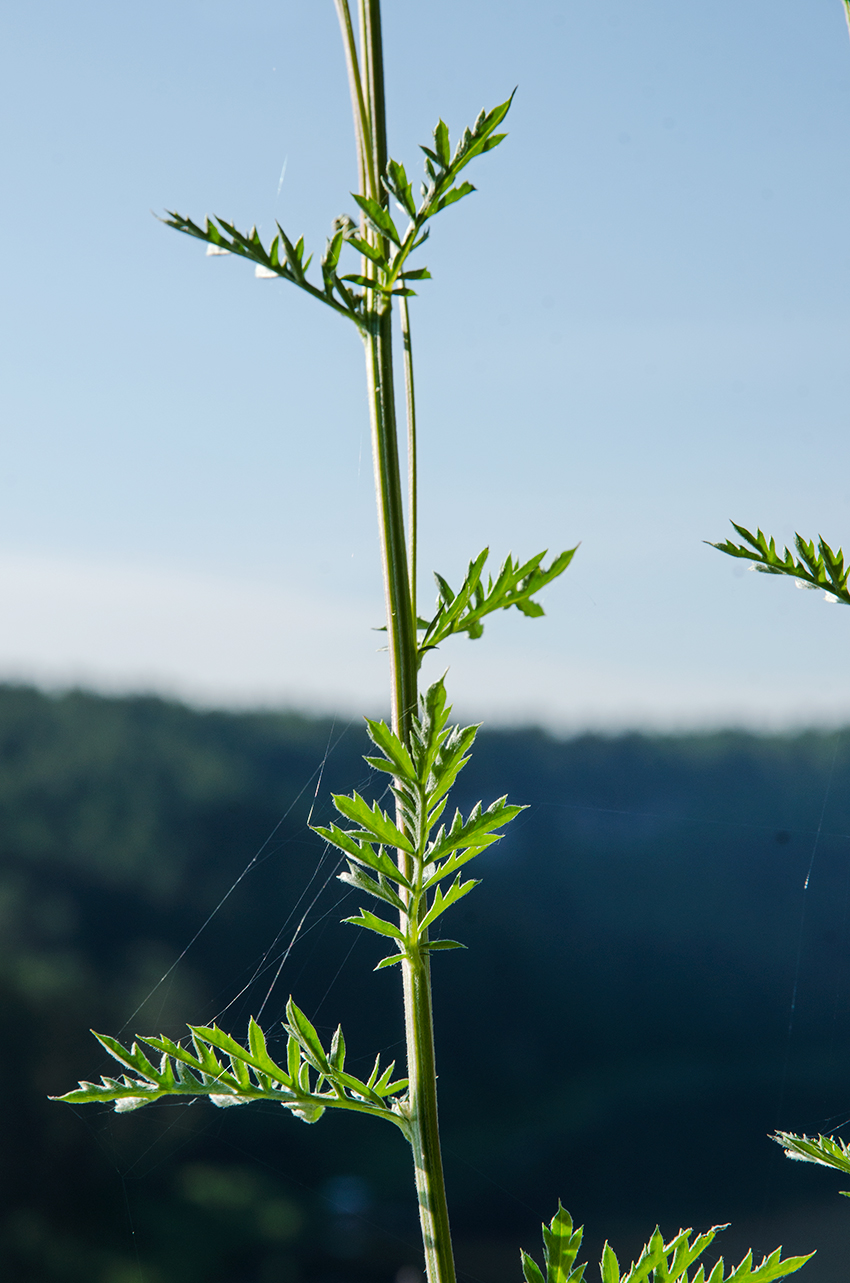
(617,1033)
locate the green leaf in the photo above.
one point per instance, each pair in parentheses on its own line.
(378,218)
(441,144)
(435,945)
(337,1056)
(531,1270)
(249,245)
(255,1055)
(376,824)
(560,1246)
(477,831)
(389,961)
(372,252)
(361,851)
(398,759)
(609,1266)
(300,1028)
(135,1058)
(816,568)
(372,922)
(771,1267)
(453,195)
(382,890)
(532,609)
(451,757)
(397,184)
(829,1151)
(444,900)
(515,585)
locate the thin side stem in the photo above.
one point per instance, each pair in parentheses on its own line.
(362,129)
(412,481)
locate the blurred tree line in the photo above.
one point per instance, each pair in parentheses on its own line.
(617,1033)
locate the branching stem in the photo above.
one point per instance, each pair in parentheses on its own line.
(367,92)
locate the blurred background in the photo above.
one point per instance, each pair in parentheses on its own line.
(636,330)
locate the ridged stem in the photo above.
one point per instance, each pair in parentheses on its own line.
(367,90)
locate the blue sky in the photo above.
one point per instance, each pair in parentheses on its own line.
(637,329)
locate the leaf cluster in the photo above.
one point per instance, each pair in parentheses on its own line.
(282,258)
(228,1073)
(659,1262)
(514,585)
(829,1151)
(816,567)
(385,250)
(416,883)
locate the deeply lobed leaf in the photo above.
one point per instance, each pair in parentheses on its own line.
(252,1074)
(816,567)
(515,585)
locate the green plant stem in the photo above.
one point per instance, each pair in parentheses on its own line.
(425,1130)
(412,481)
(362,130)
(385,454)
(401,633)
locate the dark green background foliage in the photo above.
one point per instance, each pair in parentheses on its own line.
(617,1033)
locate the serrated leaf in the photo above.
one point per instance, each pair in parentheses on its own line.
(362,852)
(530,1269)
(609,1266)
(444,900)
(454,194)
(372,252)
(381,889)
(380,926)
(560,1247)
(393,749)
(134,1058)
(477,831)
(379,218)
(301,1029)
(515,585)
(376,824)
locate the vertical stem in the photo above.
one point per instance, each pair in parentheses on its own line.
(385,455)
(425,1127)
(412,481)
(401,630)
